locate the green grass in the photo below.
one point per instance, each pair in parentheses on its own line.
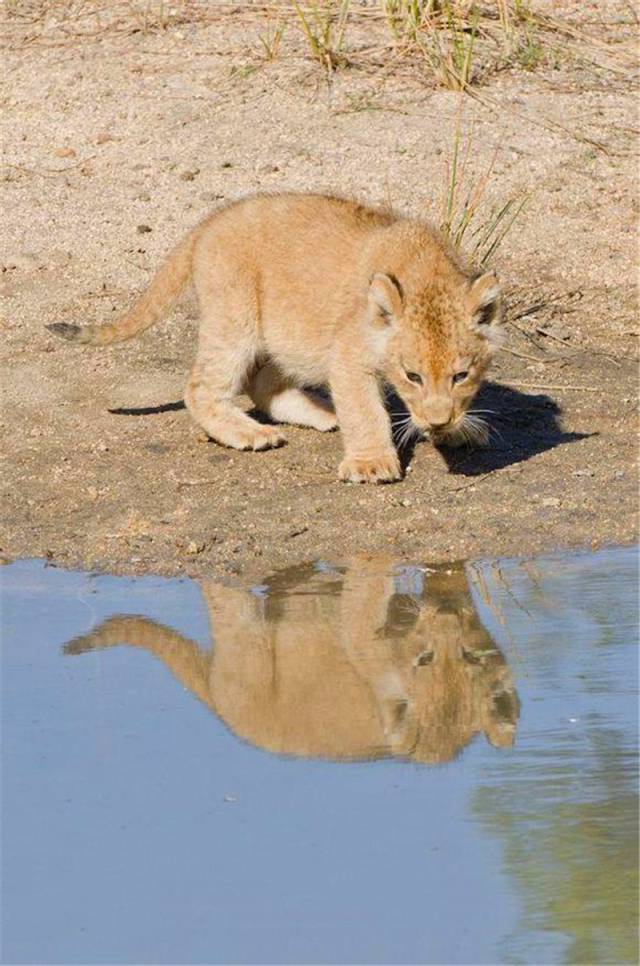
(467,219)
(457,44)
(323,26)
(270,40)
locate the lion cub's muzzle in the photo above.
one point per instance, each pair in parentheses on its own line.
(436,415)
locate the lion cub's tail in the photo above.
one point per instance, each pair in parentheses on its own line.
(168,282)
(186,660)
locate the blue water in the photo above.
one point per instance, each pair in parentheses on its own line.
(287,773)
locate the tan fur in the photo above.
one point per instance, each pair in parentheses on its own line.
(341,666)
(298,291)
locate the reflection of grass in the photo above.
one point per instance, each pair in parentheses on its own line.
(565,808)
(492,604)
(571,853)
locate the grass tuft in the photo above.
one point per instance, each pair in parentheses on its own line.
(456,44)
(270,41)
(323,25)
(466,219)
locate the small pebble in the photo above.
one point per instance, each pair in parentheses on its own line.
(267,168)
(143,229)
(296,531)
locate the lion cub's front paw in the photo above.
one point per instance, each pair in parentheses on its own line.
(383,468)
(259,438)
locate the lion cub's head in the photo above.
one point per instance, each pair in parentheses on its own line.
(442,330)
(451,682)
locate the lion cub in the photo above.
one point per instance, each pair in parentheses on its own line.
(302,290)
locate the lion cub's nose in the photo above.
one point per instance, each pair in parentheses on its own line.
(439,415)
(438,422)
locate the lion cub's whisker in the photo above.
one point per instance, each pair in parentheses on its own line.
(409,431)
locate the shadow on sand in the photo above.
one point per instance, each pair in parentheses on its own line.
(521,426)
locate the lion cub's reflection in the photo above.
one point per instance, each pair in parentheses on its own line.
(350,664)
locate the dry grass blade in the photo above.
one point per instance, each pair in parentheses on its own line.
(270,41)
(627,57)
(494,237)
(556,387)
(555,126)
(323,26)
(458,41)
(51,172)
(465,215)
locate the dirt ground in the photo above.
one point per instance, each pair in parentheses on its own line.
(116,143)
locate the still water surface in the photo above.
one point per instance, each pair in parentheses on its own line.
(368,763)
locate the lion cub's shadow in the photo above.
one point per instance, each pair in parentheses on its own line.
(349,664)
(520,425)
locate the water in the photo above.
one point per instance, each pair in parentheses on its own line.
(369,764)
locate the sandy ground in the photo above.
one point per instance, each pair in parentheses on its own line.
(117,143)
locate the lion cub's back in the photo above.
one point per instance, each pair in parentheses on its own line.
(301,255)
(297,237)
(302,213)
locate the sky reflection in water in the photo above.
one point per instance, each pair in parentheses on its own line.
(436,765)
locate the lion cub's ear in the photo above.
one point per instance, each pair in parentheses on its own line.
(485,303)
(384,299)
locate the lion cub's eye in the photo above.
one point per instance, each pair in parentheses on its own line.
(414,377)
(424,657)
(459,377)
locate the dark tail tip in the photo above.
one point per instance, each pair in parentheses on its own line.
(79,645)
(66,330)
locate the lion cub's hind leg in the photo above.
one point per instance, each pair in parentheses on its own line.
(215,379)
(227,349)
(276,396)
